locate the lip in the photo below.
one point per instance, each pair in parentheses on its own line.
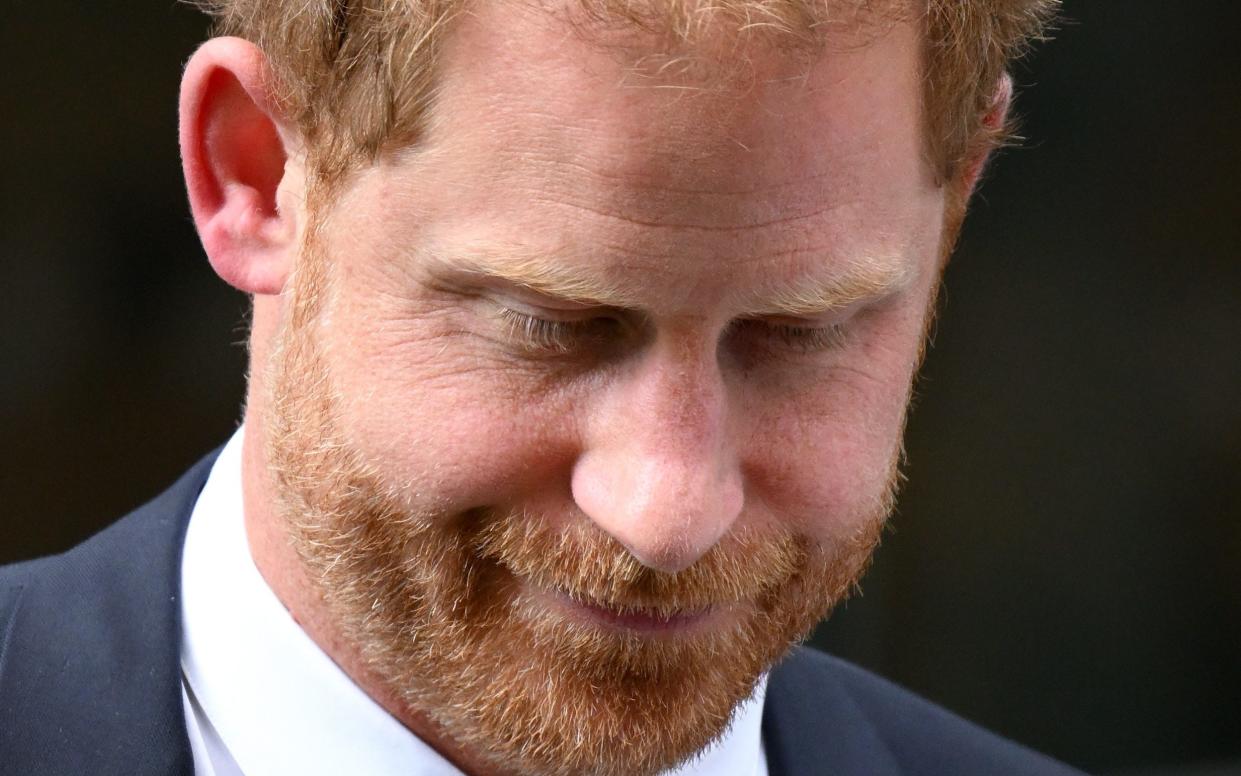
(640,621)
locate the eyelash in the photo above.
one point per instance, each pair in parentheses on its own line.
(807,339)
(548,336)
(563,337)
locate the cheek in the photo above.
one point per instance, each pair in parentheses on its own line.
(822,458)
(450,426)
(821,470)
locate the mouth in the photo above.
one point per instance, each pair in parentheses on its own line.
(642,620)
(647,621)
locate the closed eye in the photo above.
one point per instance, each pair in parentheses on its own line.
(805,338)
(589,330)
(556,337)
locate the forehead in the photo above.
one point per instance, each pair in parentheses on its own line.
(547,138)
(626,96)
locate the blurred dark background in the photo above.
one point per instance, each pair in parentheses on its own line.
(1066,563)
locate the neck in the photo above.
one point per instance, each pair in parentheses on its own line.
(283,571)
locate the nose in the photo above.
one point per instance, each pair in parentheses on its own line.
(659,471)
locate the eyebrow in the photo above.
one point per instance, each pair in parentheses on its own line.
(861,281)
(548,274)
(543,272)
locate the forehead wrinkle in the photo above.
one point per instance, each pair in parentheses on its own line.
(861,281)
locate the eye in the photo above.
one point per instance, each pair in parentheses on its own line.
(804,338)
(549,336)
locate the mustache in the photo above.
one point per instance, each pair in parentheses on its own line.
(590,566)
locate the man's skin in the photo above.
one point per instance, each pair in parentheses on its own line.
(746,265)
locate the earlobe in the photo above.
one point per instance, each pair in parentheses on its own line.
(234,157)
(993,124)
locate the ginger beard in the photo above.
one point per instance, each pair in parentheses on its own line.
(439,604)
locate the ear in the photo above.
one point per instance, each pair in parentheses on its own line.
(234,151)
(992,125)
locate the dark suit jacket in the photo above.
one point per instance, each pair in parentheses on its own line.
(90,680)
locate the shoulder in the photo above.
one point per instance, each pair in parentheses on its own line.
(822,709)
(127,561)
(90,645)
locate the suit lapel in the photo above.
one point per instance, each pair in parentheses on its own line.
(90,680)
(811,726)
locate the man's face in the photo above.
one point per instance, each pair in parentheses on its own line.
(591,404)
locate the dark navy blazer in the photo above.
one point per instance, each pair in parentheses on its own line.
(90,678)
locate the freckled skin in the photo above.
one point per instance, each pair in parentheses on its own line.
(803,178)
(687,426)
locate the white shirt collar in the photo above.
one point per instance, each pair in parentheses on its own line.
(263,700)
